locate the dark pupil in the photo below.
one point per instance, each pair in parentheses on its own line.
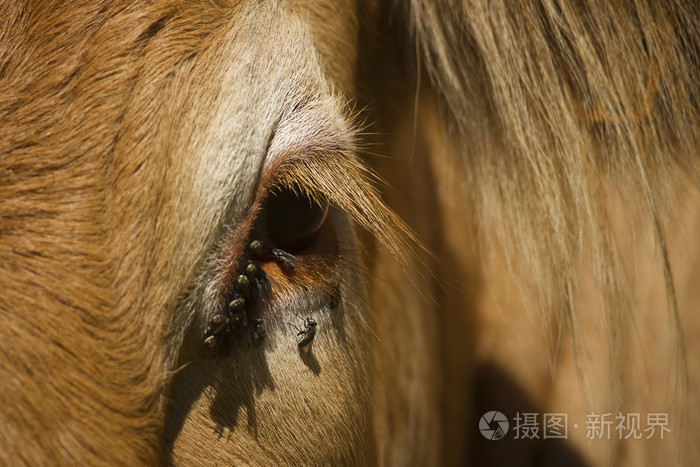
(292,219)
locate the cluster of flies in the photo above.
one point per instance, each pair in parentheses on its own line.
(239,318)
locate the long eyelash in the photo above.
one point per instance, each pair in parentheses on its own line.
(341,179)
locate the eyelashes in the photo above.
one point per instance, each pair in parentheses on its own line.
(297,254)
(339,177)
(288,251)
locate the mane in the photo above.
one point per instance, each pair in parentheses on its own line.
(558,108)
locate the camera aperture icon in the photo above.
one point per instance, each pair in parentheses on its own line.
(493,425)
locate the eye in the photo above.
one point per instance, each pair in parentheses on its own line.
(291,219)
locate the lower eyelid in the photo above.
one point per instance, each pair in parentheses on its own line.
(247,298)
(319,262)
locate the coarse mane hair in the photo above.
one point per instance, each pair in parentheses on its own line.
(562,111)
(560,106)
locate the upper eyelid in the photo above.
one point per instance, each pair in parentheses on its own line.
(238,235)
(320,156)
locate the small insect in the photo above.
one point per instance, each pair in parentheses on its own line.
(258,278)
(243,285)
(307,334)
(249,285)
(287,260)
(218,324)
(215,331)
(258,333)
(254,272)
(237,304)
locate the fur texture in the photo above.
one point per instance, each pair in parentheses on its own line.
(543,153)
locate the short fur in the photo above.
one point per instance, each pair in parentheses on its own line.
(547,164)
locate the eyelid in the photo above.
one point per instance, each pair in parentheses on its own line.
(238,237)
(312,147)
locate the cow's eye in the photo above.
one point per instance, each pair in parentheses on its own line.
(291,219)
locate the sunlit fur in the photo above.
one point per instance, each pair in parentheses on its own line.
(541,161)
(576,128)
(557,103)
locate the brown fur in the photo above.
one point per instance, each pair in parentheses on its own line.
(544,153)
